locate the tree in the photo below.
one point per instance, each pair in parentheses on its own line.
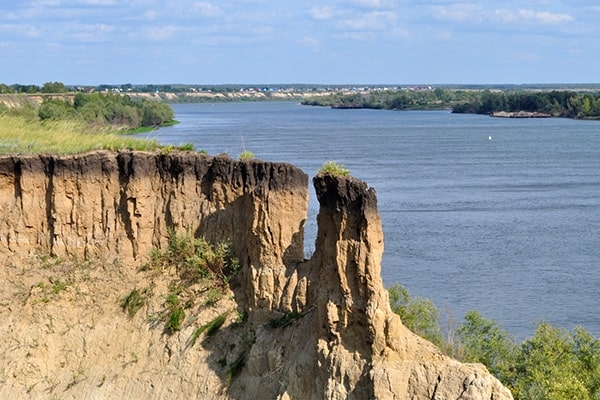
(54,109)
(419,315)
(548,367)
(155,113)
(483,341)
(54,87)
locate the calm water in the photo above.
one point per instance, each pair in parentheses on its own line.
(508,226)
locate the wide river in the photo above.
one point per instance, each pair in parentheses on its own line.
(497,215)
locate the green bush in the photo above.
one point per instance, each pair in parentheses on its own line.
(246,155)
(133,302)
(175,319)
(210,328)
(335,169)
(554,364)
(419,315)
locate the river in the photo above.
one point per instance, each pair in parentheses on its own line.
(493,214)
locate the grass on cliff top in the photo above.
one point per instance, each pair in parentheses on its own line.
(20,135)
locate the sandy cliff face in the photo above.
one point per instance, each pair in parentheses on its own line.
(75,230)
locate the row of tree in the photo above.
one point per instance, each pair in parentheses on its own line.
(555,103)
(107,109)
(554,364)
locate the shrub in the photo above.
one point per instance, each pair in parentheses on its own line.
(210,328)
(554,364)
(335,169)
(246,155)
(284,321)
(419,315)
(133,302)
(175,319)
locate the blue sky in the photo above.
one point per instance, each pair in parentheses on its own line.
(291,41)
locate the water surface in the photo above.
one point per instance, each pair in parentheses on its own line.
(508,226)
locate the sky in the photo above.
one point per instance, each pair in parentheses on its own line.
(91,42)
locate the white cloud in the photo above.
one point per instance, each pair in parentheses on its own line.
(98,2)
(207,9)
(28,31)
(311,42)
(373,3)
(472,13)
(544,16)
(160,34)
(91,32)
(322,12)
(372,21)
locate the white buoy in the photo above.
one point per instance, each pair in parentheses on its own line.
(490,137)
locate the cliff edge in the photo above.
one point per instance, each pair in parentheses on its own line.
(77,233)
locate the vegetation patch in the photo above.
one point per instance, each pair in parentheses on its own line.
(176,318)
(134,301)
(210,328)
(554,363)
(335,169)
(202,272)
(246,155)
(234,369)
(285,320)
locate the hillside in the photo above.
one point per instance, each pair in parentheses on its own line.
(79,234)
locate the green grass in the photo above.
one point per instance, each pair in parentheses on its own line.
(246,155)
(284,321)
(133,302)
(335,169)
(21,135)
(210,328)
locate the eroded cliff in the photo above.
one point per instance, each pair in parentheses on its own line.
(75,231)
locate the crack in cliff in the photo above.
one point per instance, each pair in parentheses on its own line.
(50,218)
(126,172)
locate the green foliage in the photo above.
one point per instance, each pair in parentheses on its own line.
(175,319)
(133,302)
(54,87)
(483,341)
(554,364)
(333,168)
(235,368)
(284,321)
(154,113)
(417,314)
(187,147)
(58,286)
(55,109)
(555,103)
(196,259)
(246,155)
(210,328)
(557,364)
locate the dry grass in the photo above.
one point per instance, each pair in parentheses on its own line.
(19,135)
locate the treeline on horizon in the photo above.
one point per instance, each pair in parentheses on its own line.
(111,110)
(556,103)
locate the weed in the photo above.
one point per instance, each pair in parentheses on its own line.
(246,155)
(213,296)
(210,328)
(172,300)
(59,286)
(287,319)
(187,147)
(335,169)
(133,302)
(235,368)
(175,319)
